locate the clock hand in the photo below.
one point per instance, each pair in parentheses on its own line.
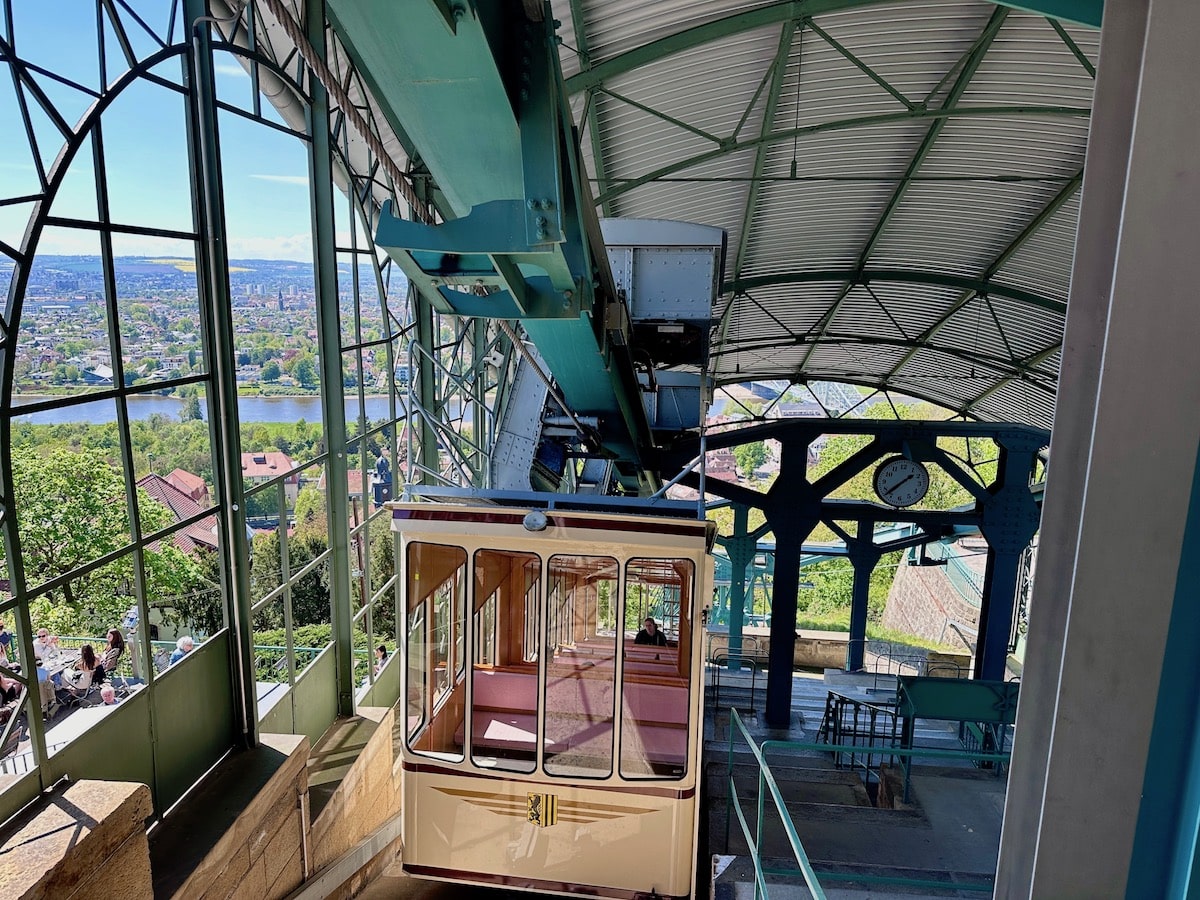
(910,477)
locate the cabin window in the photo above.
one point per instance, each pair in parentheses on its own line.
(437,602)
(504,686)
(655,701)
(580,659)
(417,689)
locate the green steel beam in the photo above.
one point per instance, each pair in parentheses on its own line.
(1084,12)
(329,335)
(213,271)
(904,276)
(968,112)
(480,95)
(969,65)
(1056,203)
(1075,49)
(1027,363)
(859,64)
(659,114)
(858,340)
(778,72)
(473,146)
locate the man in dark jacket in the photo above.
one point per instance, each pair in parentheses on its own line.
(650,634)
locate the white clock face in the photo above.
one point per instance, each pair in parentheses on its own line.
(901,482)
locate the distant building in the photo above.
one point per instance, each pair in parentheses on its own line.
(98,375)
(201,534)
(267,465)
(192,485)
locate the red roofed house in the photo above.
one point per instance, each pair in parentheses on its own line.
(201,533)
(268,464)
(192,485)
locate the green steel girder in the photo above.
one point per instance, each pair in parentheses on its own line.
(777,72)
(1084,12)
(903,276)
(970,65)
(1056,203)
(479,94)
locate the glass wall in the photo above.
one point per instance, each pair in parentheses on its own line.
(147,488)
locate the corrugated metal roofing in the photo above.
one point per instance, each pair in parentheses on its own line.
(924,244)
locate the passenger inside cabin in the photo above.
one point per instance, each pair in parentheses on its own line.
(381,655)
(650,634)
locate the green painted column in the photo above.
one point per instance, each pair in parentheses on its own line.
(741,547)
(333,406)
(217,323)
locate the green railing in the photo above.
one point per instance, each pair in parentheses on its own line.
(766,780)
(270,662)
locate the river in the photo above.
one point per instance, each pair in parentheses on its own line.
(250,409)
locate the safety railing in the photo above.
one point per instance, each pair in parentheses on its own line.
(768,787)
(270,662)
(872,729)
(720,660)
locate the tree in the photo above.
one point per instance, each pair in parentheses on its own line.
(750,456)
(270,371)
(191,409)
(310,509)
(309,594)
(71,510)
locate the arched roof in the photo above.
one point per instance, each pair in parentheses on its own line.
(899,180)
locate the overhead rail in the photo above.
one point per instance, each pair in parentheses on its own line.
(477,90)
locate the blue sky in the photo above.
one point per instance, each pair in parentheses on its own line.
(264,170)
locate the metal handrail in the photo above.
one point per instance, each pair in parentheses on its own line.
(765,778)
(753,663)
(806,869)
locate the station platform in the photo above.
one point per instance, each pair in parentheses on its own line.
(944,834)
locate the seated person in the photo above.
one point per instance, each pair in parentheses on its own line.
(381,655)
(10,688)
(109,695)
(78,678)
(114,646)
(45,644)
(183,647)
(650,634)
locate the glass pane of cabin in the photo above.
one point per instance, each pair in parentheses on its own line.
(580,647)
(504,685)
(436,587)
(655,670)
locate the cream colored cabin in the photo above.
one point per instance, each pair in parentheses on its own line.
(544,749)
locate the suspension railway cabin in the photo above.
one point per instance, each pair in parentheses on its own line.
(543,748)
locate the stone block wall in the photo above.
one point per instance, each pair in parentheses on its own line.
(77,841)
(923,602)
(261,856)
(366,798)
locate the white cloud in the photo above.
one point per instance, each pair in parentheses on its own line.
(296,246)
(233,70)
(300,180)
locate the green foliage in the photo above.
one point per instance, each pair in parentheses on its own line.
(71,510)
(750,456)
(310,593)
(310,508)
(271,371)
